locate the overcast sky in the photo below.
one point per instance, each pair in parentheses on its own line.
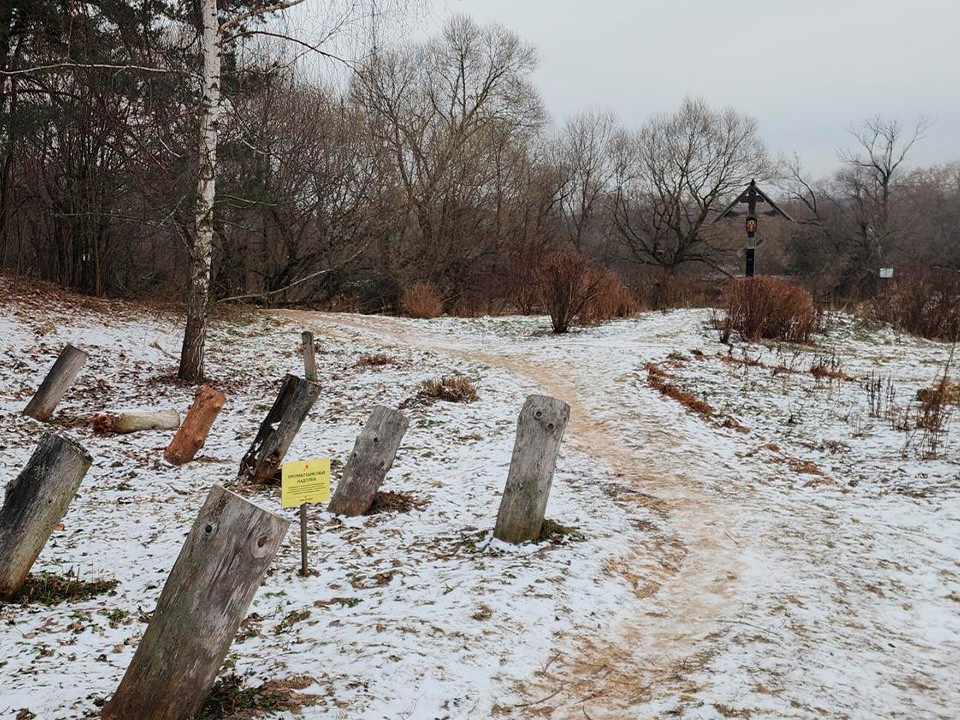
(805,69)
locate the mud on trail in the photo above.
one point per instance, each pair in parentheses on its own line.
(684,591)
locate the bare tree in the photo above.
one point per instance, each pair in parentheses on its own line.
(583,157)
(676,171)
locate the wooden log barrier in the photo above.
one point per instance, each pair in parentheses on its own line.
(278,429)
(206,596)
(56,383)
(207,404)
(371,459)
(539,432)
(35,501)
(137,420)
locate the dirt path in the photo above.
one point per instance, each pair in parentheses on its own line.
(682,595)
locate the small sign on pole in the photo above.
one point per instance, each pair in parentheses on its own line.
(886,273)
(302,482)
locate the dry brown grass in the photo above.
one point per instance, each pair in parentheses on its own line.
(765,307)
(230,699)
(658,380)
(50,589)
(373,360)
(451,388)
(421,300)
(827,366)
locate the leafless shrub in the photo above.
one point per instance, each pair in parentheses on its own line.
(373,360)
(611,299)
(924,302)
(421,300)
(765,307)
(827,366)
(565,284)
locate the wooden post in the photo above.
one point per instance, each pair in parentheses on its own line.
(206,596)
(56,383)
(309,356)
(539,432)
(262,461)
(304,560)
(372,456)
(35,501)
(137,420)
(192,435)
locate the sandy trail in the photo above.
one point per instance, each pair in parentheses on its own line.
(683,594)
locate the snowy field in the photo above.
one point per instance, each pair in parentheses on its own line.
(792,554)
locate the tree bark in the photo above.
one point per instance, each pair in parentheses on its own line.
(192,435)
(205,598)
(278,429)
(135,421)
(35,501)
(539,432)
(371,459)
(56,383)
(195,333)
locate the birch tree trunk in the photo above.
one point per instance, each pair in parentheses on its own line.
(194,336)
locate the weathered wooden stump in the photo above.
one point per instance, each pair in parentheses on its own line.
(205,598)
(56,383)
(207,404)
(539,432)
(278,429)
(35,501)
(309,356)
(371,459)
(137,420)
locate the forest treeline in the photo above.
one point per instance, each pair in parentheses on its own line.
(435,163)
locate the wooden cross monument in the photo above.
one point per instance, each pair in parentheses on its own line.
(751,196)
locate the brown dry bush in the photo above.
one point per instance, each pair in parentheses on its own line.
(658,380)
(765,307)
(421,300)
(565,283)
(924,302)
(611,299)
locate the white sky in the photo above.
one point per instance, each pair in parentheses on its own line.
(806,69)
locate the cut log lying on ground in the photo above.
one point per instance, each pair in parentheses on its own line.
(371,459)
(56,383)
(136,420)
(35,501)
(206,596)
(524,502)
(278,429)
(192,435)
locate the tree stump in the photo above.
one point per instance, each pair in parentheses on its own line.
(35,501)
(371,459)
(309,356)
(539,432)
(192,435)
(262,461)
(137,420)
(206,596)
(56,383)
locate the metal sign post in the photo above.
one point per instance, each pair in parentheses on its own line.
(750,197)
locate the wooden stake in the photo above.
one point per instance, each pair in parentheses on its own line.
(206,596)
(56,383)
(371,459)
(137,420)
(539,432)
(192,435)
(278,429)
(309,356)
(35,501)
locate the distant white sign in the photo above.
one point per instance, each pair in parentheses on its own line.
(886,272)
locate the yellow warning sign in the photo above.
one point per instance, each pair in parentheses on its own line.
(306,481)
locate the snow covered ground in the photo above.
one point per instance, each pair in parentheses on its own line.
(805,564)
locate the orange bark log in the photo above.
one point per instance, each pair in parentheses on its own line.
(193,433)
